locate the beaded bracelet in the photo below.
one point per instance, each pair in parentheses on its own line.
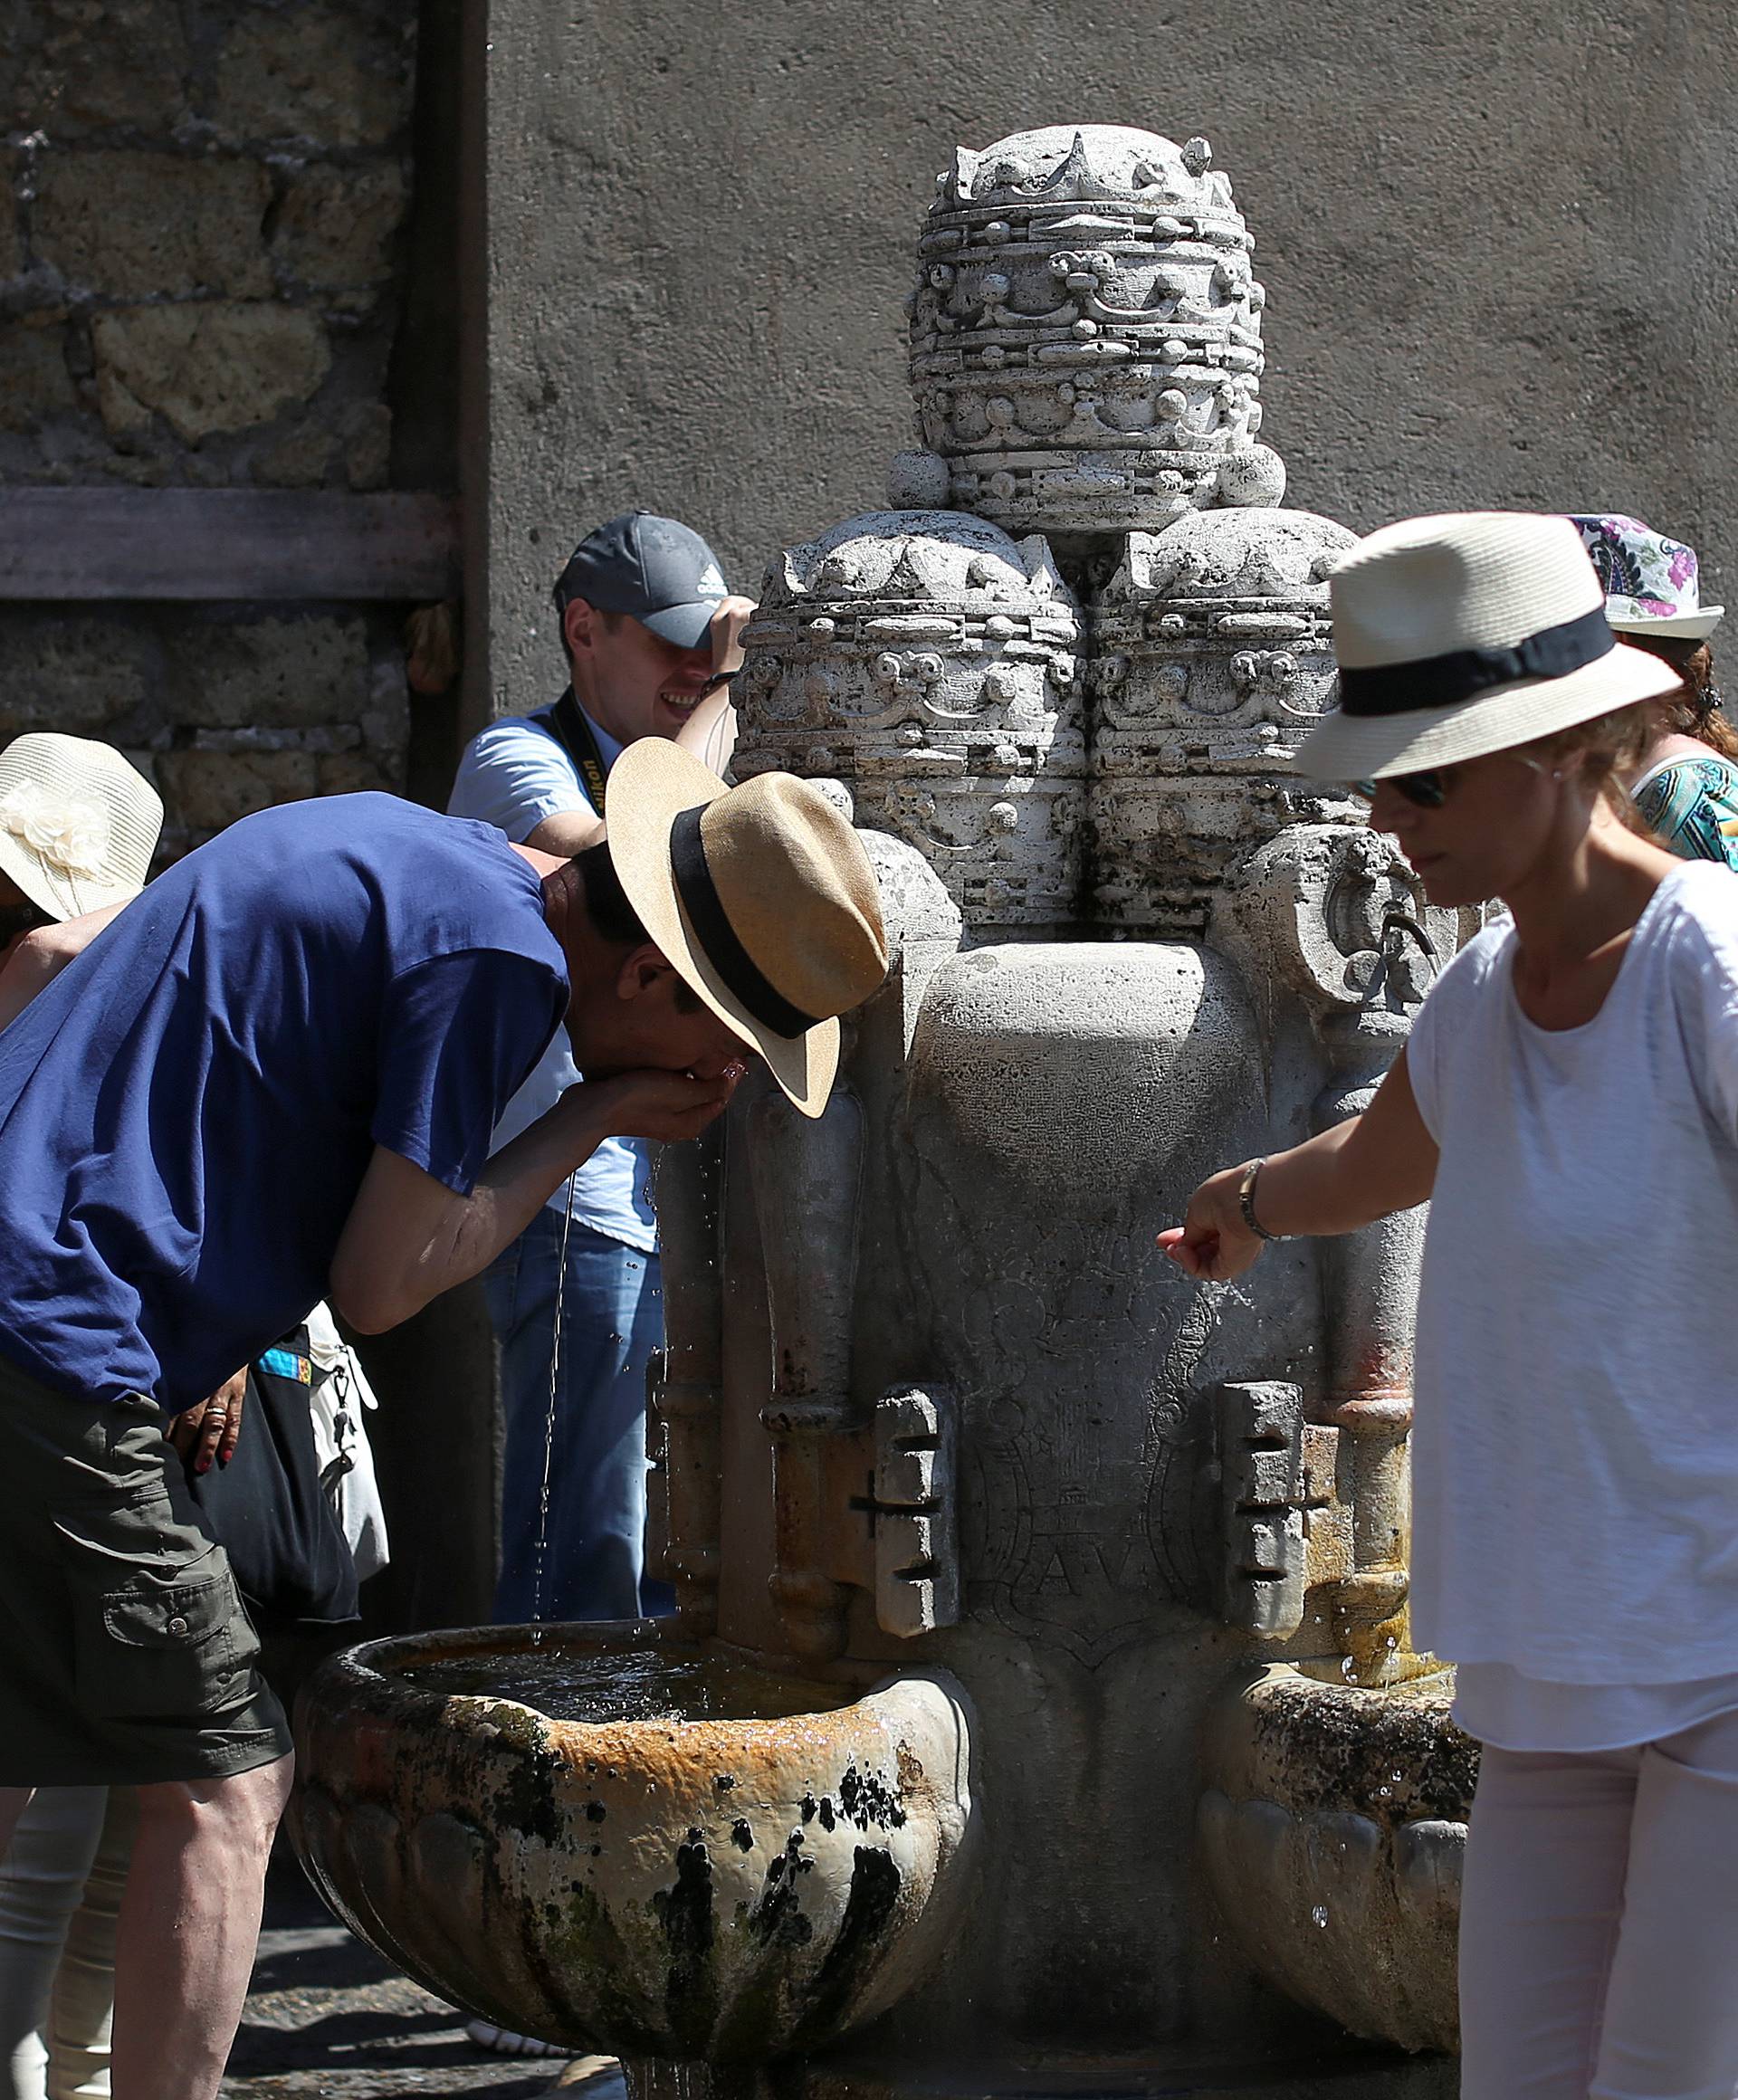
(1247,1201)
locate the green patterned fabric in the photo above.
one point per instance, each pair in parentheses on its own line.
(1692,806)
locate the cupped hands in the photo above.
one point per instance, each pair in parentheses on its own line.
(666,1106)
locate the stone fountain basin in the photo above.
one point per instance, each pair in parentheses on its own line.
(1333,1829)
(707,1860)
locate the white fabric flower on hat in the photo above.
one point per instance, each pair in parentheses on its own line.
(69,831)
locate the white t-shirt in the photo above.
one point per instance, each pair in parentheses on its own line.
(514,775)
(1575,1449)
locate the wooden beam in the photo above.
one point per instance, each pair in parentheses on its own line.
(84,544)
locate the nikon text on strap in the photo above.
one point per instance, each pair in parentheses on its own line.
(566,722)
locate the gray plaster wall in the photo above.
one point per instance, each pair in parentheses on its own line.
(1498,244)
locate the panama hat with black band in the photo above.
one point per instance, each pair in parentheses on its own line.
(1467,634)
(760,897)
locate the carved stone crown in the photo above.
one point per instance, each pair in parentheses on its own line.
(1221,618)
(1085,333)
(932,664)
(1212,657)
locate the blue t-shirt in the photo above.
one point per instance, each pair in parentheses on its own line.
(188,1110)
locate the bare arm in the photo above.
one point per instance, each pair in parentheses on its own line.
(408,1237)
(571,831)
(1361,1169)
(566,833)
(709,732)
(35,959)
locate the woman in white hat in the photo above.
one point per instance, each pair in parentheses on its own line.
(78,827)
(1686,781)
(1569,1101)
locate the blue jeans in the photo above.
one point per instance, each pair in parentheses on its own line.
(612,1319)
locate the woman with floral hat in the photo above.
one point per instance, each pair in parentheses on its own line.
(1575,1448)
(1685,784)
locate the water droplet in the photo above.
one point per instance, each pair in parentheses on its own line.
(1319,1914)
(1348,1669)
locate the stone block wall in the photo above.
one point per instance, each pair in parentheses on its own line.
(216,272)
(199,270)
(226,709)
(204,256)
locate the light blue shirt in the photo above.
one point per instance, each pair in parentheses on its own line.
(514,775)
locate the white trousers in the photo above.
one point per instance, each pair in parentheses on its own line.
(60,1896)
(1598,1933)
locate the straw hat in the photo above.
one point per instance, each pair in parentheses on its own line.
(760,897)
(1462,634)
(77,824)
(1652,585)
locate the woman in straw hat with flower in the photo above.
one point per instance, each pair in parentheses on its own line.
(78,827)
(1575,1545)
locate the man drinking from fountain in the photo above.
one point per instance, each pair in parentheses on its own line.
(319,1018)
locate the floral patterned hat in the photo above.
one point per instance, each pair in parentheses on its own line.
(77,824)
(1650,581)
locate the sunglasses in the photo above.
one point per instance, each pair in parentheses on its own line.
(1429,789)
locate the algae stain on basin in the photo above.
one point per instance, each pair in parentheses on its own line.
(616,1841)
(1332,1828)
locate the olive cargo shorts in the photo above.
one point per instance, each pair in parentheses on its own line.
(125,1656)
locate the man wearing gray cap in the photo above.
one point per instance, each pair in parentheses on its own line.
(651,636)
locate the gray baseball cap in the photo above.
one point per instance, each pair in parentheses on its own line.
(661,573)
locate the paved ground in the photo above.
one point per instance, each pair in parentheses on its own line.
(328,2019)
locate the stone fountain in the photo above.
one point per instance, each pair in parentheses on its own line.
(1039,1712)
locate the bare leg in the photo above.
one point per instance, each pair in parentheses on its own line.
(190,1925)
(12,1802)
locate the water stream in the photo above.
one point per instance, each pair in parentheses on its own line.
(549,1420)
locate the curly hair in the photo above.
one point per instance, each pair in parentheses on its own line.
(1695,708)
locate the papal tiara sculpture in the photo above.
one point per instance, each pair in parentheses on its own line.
(1085,334)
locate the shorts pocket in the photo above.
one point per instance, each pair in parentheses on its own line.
(166,1648)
